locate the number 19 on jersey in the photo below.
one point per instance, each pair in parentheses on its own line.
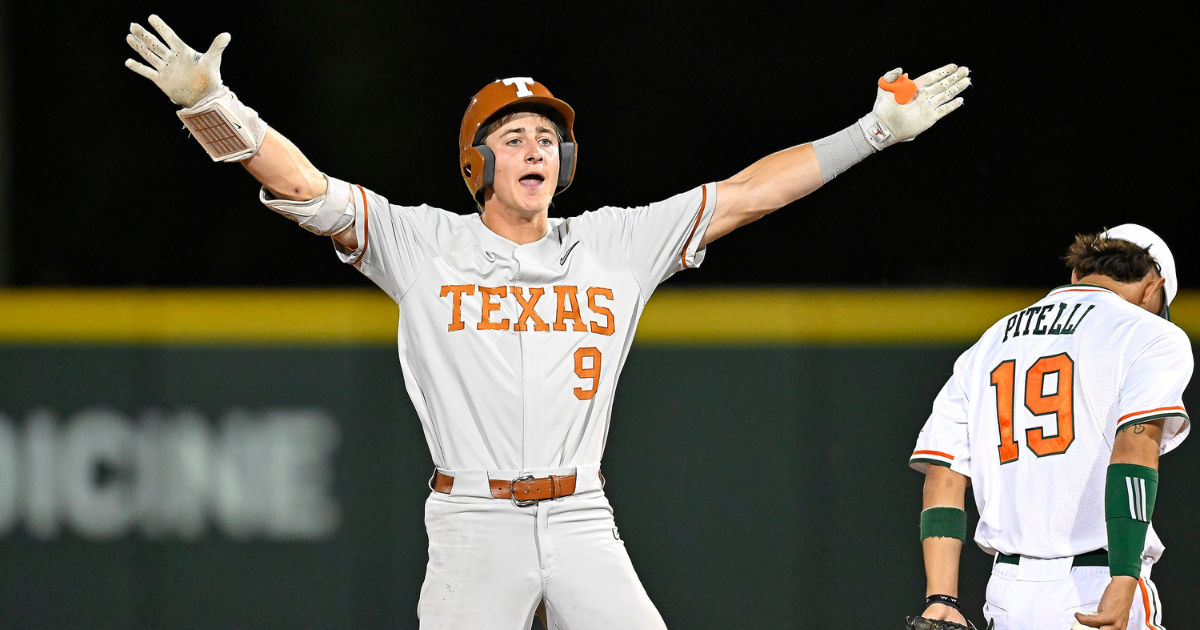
(1059,369)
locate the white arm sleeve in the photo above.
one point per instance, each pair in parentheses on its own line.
(945,440)
(1154,385)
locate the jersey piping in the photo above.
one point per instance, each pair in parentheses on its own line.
(699,218)
(366,227)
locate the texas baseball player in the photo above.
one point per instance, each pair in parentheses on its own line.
(515,326)
(1056,417)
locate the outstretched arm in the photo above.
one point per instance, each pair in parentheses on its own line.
(944,488)
(228,130)
(284,170)
(784,177)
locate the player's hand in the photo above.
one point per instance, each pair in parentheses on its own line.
(935,98)
(943,612)
(184,74)
(1113,612)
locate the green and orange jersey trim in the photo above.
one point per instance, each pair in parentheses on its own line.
(1138,417)
(937,458)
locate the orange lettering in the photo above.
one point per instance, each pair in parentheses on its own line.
(564,313)
(592,294)
(457,290)
(527,311)
(1060,403)
(583,371)
(485,317)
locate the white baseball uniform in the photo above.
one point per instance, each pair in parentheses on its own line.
(511,355)
(1030,416)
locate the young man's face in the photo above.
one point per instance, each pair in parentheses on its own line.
(526,149)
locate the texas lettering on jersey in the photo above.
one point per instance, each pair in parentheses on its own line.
(568,308)
(511,352)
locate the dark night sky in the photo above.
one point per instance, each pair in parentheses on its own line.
(1078,119)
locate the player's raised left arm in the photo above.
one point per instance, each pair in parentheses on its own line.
(903,109)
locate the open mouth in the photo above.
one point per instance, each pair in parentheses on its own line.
(532,180)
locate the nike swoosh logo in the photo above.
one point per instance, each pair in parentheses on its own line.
(563,260)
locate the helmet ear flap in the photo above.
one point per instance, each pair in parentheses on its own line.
(489,169)
(478,165)
(566,166)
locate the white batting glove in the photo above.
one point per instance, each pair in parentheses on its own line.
(183,74)
(890,122)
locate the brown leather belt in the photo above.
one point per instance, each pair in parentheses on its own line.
(525,490)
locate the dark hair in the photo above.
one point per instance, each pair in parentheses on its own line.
(1116,258)
(502,118)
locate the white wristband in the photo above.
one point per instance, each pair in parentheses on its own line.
(840,151)
(228,130)
(327,215)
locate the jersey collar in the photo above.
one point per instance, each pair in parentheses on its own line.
(1081,287)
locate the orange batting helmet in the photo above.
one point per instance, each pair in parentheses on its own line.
(477,161)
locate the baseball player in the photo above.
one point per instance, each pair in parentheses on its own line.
(514,326)
(1057,417)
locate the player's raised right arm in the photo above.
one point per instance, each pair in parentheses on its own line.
(228,130)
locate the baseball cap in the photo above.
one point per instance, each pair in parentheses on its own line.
(1157,247)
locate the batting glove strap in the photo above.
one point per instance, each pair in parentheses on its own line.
(228,130)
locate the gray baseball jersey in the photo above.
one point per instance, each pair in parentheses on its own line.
(511,353)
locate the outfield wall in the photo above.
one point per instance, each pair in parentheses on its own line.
(232,459)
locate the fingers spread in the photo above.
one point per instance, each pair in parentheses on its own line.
(942,111)
(141,69)
(151,58)
(891,77)
(933,76)
(169,35)
(149,40)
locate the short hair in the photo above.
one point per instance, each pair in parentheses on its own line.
(506,115)
(1115,258)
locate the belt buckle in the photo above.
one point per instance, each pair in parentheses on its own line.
(512,493)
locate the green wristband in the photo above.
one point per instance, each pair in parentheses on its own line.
(944,522)
(1129,494)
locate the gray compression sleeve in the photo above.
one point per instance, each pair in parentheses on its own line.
(840,151)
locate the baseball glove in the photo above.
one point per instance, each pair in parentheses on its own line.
(921,623)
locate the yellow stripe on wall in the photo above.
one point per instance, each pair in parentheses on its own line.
(368,317)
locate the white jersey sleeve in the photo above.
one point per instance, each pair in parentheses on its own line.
(944,440)
(394,242)
(1154,385)
(659,239)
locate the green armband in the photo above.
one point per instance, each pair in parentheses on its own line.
(944,522)
(1128,504)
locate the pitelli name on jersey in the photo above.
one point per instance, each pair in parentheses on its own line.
(568,315)
(1034,320)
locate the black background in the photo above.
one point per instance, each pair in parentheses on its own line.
(1079,118)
